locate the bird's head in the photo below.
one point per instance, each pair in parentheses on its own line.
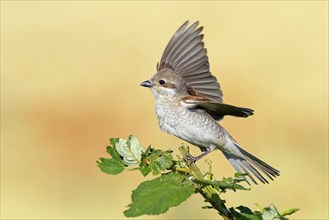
(166,83)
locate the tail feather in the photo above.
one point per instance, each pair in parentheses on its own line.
(259,163)
(244,168)
(254,171)
(249,164)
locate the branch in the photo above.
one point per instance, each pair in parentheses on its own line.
(176,181)
(208,192)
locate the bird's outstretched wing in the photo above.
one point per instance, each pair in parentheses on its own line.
(186,55)
(216,110)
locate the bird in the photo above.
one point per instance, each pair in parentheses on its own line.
(189,103)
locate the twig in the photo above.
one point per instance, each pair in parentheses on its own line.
(208,192)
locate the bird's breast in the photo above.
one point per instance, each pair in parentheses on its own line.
(195,127)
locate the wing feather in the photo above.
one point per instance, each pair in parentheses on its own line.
(216,110)
(170,45)
(194,57)
(187,56)
(187,45)
(178,42)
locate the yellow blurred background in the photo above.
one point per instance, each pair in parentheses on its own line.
(70,75)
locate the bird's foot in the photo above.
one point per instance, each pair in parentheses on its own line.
(191,158)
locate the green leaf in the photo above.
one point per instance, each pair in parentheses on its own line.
(289,212)
(110,166)
(207,207)
(267,213)
(148,150)
(250,217)
(156,162)
(260,207)
(113,141)
(246,213)
(130,150)
(244,209)
(272,213)
(159,161)
(243,215)
(157,196)
(114,153)
(145,168)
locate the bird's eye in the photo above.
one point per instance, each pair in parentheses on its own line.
(161,81)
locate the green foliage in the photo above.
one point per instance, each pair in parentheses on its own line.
(110,166)
(267,213)
(289,212)
(225,184)
(123,153)
(114,165)
(130,150)
(158,195)
(178,180)
(155,161)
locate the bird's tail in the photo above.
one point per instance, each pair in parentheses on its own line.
(249,164)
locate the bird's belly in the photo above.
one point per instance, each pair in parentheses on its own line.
(194,127)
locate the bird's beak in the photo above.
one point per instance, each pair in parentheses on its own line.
(147,83)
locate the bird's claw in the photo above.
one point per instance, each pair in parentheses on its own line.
(190,158)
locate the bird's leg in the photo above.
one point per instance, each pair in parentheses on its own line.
(204,150)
